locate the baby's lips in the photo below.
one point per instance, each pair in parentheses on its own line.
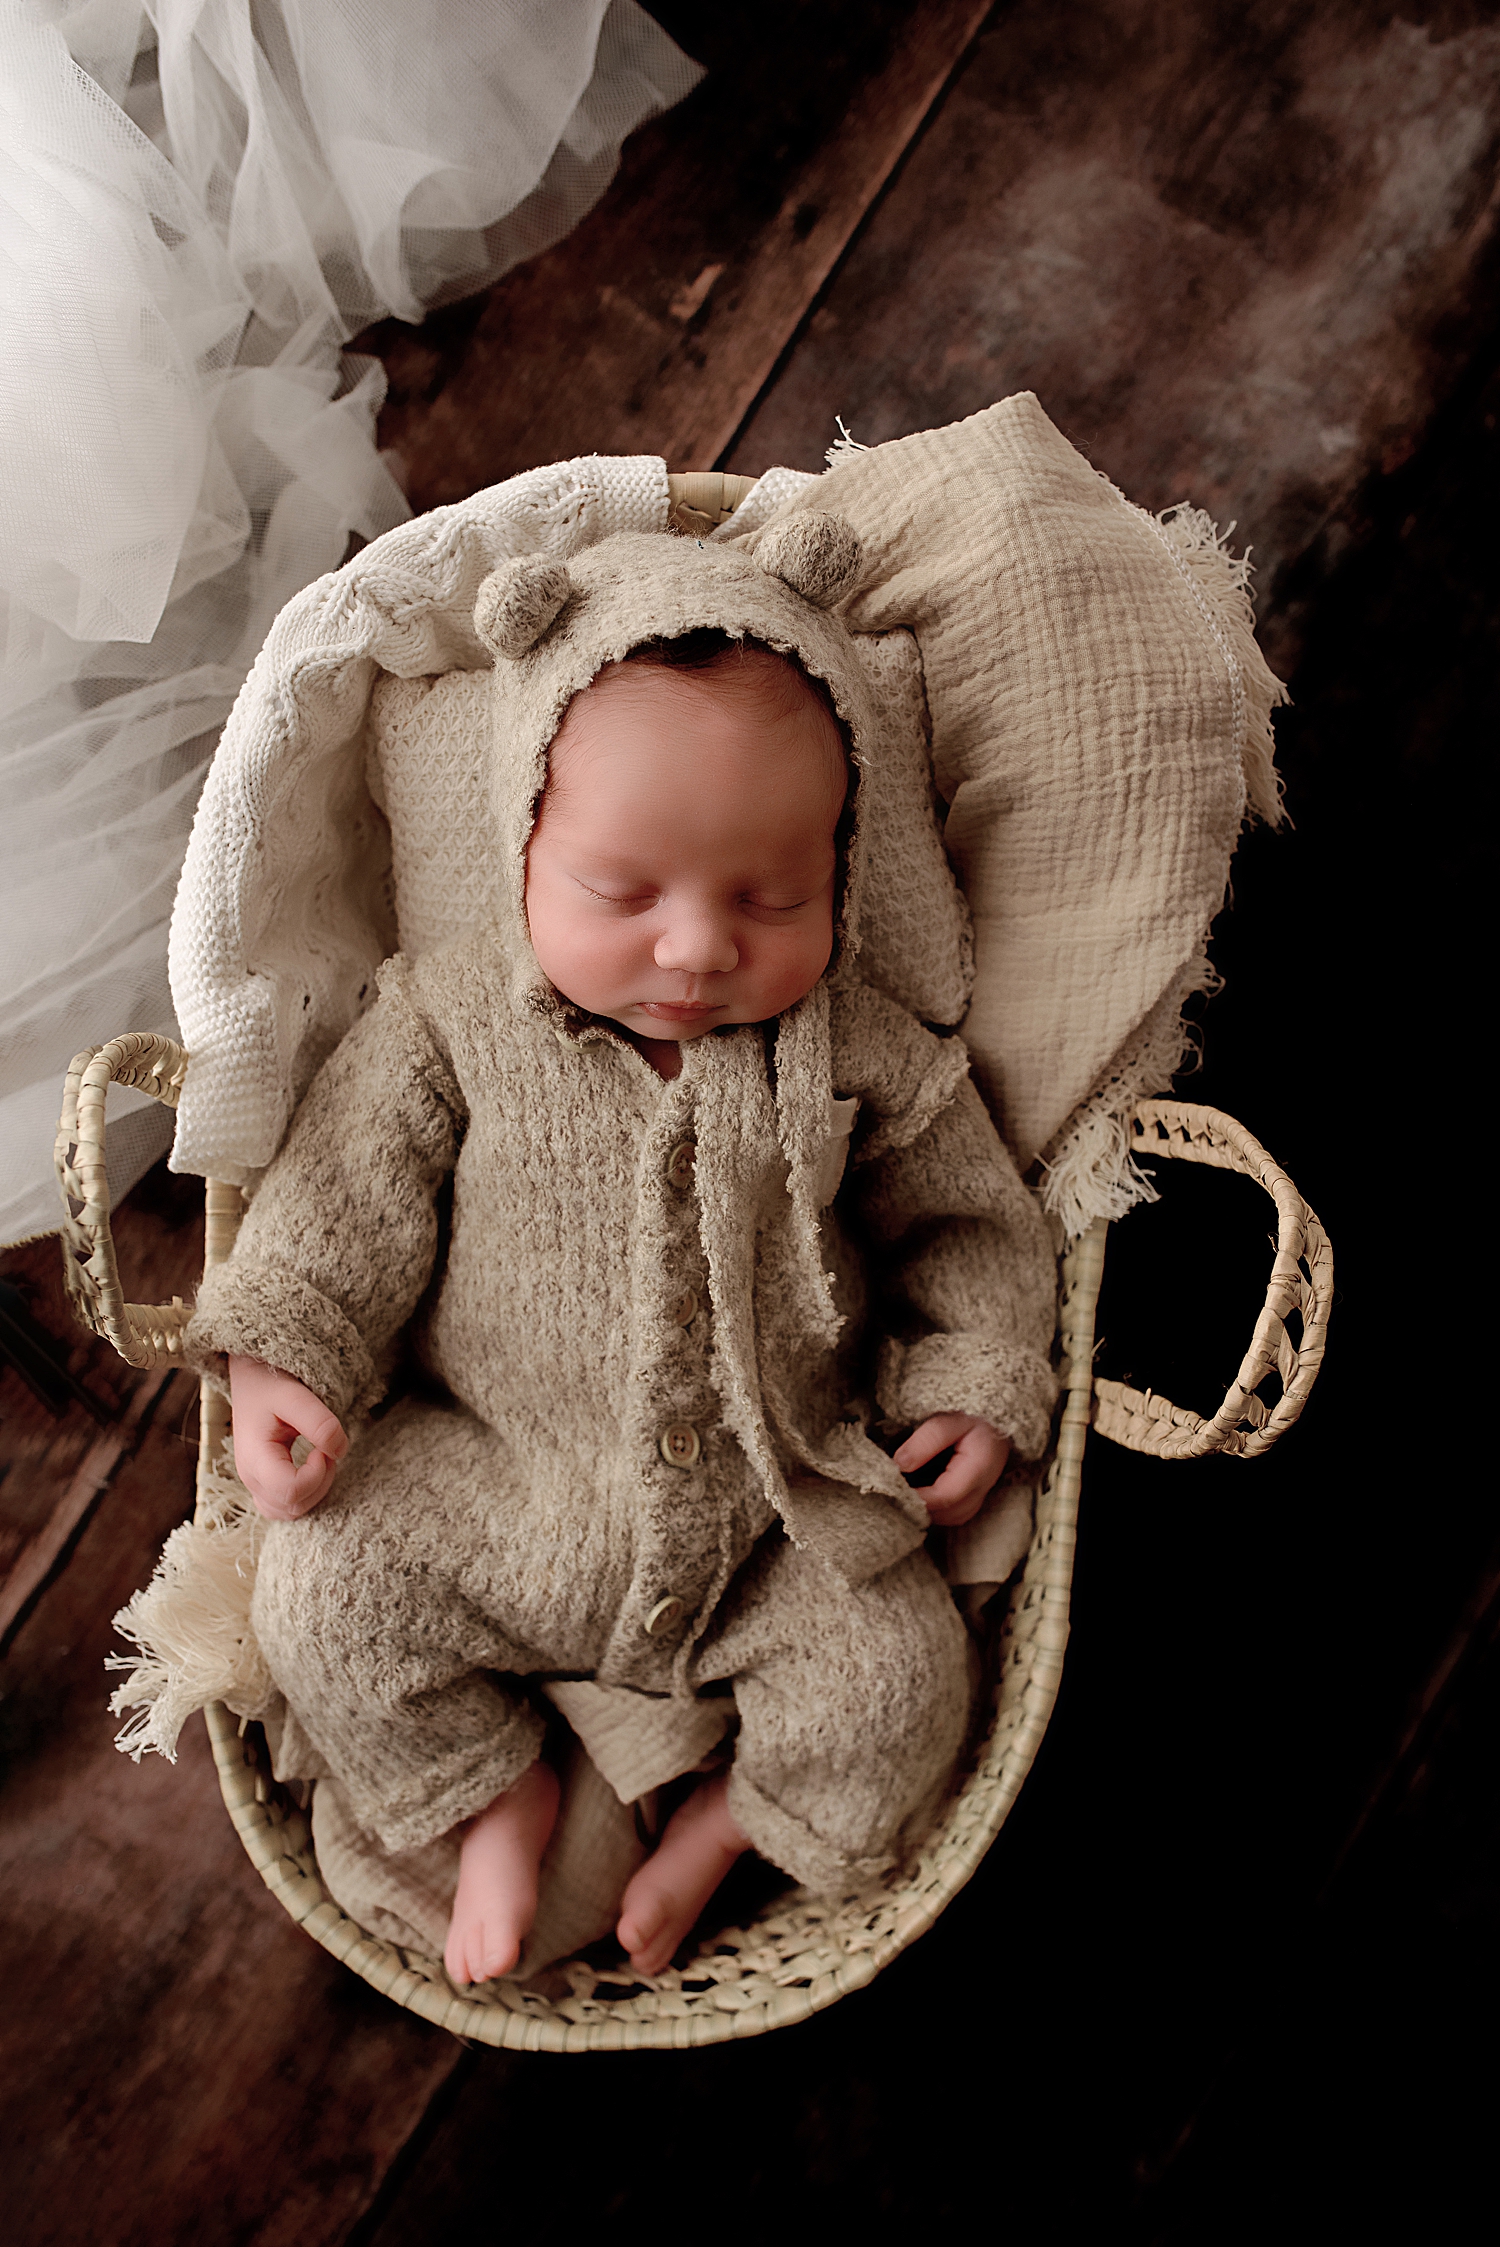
(679,1010)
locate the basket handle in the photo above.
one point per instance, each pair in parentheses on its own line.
(704,498)
(1301,1281)
(142,1333)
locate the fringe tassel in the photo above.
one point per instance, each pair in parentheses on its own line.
(190,1627)
(843,444)
(1092,1171)
(1219,582)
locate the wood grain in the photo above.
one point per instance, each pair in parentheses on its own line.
(1237,256)
(654,325)
(80,1494)
(48,1465)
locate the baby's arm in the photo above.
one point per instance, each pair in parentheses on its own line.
(336,1249)
(271,1411)
(962,1253)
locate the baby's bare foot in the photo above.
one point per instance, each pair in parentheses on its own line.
(665,1897)
(498,1859)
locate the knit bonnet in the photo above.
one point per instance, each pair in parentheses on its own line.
(551,627)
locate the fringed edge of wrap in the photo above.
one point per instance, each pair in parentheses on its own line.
(1090,1170)
(190,1626)
(1219,582)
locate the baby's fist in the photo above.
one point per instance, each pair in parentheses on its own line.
(979,1456)
(271,1411)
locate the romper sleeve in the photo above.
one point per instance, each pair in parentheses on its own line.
(341,1237)
(963,1269)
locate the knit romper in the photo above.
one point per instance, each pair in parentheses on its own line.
(639,1469)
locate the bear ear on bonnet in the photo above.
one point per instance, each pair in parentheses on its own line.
(517,602)
(817,555)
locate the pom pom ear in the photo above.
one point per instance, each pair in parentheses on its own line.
(816,555)
(517,602)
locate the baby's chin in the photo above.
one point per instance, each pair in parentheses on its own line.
(666,1024)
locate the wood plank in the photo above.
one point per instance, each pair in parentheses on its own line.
(1237,263)
(654,325)
(159,1238)
(78,1497)
(179,2064)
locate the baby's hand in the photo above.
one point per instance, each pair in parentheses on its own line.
(979,1456)
(271,1411)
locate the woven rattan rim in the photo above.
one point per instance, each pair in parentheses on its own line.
(704,498)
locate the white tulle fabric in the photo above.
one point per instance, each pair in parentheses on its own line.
(200,202)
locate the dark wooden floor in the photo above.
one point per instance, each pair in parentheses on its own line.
(1244,256)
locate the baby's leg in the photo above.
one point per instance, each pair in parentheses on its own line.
(661,1903)
(367,1615)
(500,1853)
(853,1706)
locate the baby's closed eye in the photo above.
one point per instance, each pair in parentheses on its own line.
(635,900)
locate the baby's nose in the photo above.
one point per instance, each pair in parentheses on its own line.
(697,943)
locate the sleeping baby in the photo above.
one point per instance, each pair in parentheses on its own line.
(701,1248)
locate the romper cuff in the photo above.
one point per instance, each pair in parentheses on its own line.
(254,1310)
(1011,1387)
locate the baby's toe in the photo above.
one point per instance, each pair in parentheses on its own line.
(498,1956)
(638,1924)
(646,1938)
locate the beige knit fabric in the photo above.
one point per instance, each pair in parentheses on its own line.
(536,1526)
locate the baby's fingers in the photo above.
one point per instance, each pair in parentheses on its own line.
(934,1435)
(265,1468)
(303,1414)
(282,1491)
(311,1483)
(977,1464)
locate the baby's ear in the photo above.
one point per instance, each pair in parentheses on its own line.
(517,602)
(816,555)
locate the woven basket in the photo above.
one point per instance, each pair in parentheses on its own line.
(801,1952)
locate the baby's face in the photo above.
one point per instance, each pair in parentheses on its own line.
(681,873)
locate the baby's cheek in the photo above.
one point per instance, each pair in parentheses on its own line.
(605,960)
(791,965)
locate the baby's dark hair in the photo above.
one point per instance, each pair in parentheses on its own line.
(708,647)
